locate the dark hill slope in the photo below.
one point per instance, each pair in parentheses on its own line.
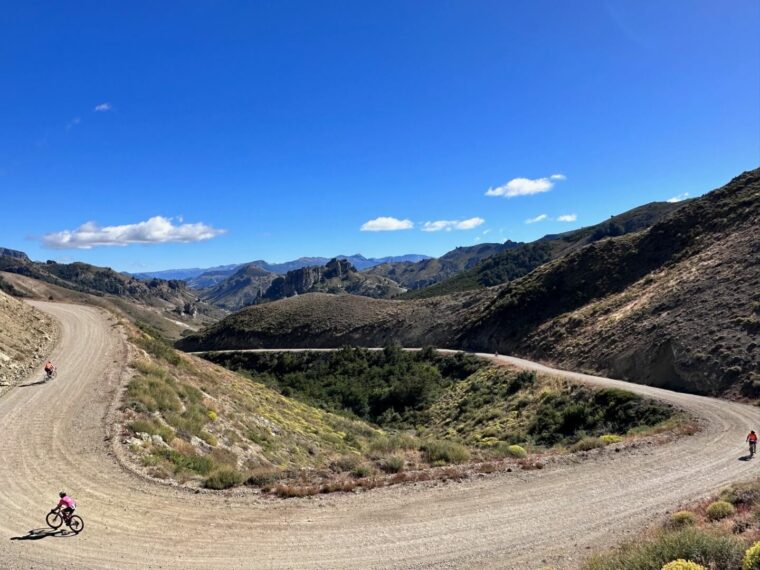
(514,262)
(676,304)
(430,271)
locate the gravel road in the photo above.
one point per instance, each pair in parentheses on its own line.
(54,436)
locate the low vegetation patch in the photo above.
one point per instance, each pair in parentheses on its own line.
(721,533)
(305,423)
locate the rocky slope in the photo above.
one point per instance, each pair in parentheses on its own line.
(26,336)
(675,305)
(252,285)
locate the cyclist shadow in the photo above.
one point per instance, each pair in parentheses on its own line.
(40,533)
(745,458)
(37,383)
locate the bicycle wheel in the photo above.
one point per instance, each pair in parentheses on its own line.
(54,520)
(76,524)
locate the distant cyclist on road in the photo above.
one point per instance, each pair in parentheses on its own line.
(752,439)
(49,369)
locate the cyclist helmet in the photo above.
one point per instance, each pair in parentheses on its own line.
(62,494)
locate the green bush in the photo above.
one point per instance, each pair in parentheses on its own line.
(263,476)
(362,470)
(587,444)
(719,510)
(751,559)
(682,564)
(439,451)
(392,464)
(714,552)
(609,438)
(682,519)
(224,478)
(158,348)
(347,462)
(506,450)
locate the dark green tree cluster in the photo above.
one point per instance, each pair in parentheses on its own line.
(391,387)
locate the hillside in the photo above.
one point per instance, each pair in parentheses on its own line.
(520,259)
(252,285)
(675,304)
(172,296)
(420,274)
(244,287)
(26,335)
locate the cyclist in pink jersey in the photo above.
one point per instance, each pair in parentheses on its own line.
(66,505)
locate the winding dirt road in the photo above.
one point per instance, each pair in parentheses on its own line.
(54,437)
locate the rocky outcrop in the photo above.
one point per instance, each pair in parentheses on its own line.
(5,252)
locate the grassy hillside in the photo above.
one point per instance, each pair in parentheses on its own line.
(674,304)
(190,420)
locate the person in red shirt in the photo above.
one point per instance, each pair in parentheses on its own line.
(752,439)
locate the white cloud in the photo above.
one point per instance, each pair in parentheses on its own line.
(567,218)
(73,123)
(155,230)
(103,107)
(449,225)
(679,198)
(486,232)
(525,186)
(539,218)
(386,224)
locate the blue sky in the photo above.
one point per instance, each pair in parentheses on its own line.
(279,129)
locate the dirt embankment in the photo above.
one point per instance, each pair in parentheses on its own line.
(26,336)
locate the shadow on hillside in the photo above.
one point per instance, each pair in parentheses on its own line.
(40,533)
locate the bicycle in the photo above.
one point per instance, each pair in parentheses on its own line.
(55,519)
(52,374)
(752,448)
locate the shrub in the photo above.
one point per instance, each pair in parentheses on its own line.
(503,449)
(587,444)
(682,519)
(223,478)
(263,476)
(212,415)
(610,438)
(438,451)
(392,464)
(719,510)
(362,470)
(152,427)
(752,558)
(682,564)
(347,462)
(709,550)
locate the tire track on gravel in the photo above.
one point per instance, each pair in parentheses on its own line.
(53,437)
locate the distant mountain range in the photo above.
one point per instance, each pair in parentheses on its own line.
(200,278)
